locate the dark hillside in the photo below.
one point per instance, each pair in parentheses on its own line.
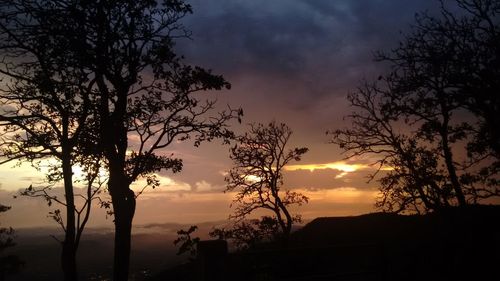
(455,244)
(451,224)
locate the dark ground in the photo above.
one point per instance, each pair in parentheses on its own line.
(456,244)
(152,251)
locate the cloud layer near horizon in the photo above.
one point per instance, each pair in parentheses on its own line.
(289,60)
(178,201)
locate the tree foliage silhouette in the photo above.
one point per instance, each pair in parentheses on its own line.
(10,263)
(259,157)
(430,119)
(139,87)
(187,244)
(248,234)
(45,116)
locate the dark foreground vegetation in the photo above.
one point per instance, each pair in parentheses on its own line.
(99,85)
(453,244)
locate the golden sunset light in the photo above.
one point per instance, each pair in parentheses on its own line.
(339,166)
(225,140)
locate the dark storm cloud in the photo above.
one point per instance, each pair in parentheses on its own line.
(293,61)
(324,44)
(254,36)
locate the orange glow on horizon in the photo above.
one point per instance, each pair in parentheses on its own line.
(339,165)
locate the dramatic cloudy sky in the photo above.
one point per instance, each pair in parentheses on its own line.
(292,61)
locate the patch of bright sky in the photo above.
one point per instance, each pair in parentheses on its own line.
(339,166)
(14,177)
(19,175)
(166,185)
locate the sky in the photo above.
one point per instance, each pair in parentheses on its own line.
(292,61)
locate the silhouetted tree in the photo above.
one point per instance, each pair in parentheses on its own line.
(420,118)
(9,263)
(259,157)
(144,90)
(187,244)
(139,88)
(469,44)
(247,234)
(448,64)
(45,106)
(415,180)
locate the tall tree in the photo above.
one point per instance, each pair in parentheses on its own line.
(141,89)
(473,41)
(45,105)
(416,181)
(138,87)
(432,102)
(447,70)
(259,157)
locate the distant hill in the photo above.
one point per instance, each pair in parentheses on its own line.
(455,244)
(451,224)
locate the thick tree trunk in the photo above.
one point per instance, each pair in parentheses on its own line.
(124,208)
(68,255)
(453,175)
(68,261)
(287,222)
(114,141)
(448,155)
